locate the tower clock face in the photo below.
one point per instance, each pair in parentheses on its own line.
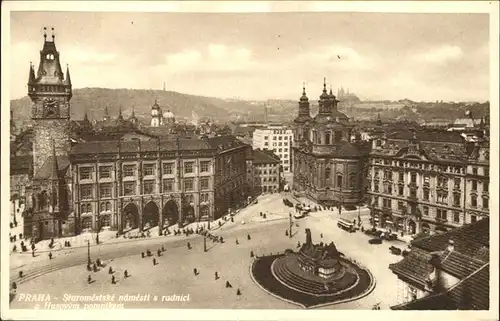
(50,107)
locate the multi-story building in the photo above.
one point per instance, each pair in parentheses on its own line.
(140,184)
(449,271)
(277,138)
(328,166)
(264,172)
(121,183)
(427,181)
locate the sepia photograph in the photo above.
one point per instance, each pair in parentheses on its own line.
(263,160)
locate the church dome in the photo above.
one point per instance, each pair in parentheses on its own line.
(168,114)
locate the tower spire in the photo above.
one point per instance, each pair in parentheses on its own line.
(32,74)
(67,80)
(120,116)
(324,85)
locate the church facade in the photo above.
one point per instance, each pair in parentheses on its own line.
(120,184)
(328,166)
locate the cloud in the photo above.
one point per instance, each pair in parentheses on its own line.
(336,57)
(441,55)
(86,55)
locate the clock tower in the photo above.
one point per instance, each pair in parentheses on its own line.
(50,93)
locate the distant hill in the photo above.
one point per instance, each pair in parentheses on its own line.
(94,100)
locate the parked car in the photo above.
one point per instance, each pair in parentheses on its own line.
(395,250)
(392,237)
(375,240)
(405,252)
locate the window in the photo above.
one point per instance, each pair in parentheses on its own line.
(285,150)
(486,172)
(338,136)
(426,180)
(400,190)
(414,178)
(442,182)
(386,203)
(473,200)
(486,186)
(105,206)
(485,202)
(286,168)
(105,190)
(168,168)
(327,138)
(86,208)
(204,198)
(86,192)
(474,185)
(280,144)
(280,138)
(86,173)
(188,184)
(105,220)
(266,137)
(205,166)
(456,217)
(426,210)
(279,150)
(129,188)
(442,197)
(105,171)
(401,205)
(401,176)
(204,183)
(149,187)
(457,183)
(188,167)
(339,181)
(128,170)
(87,223)
(441,214)
(473,218)
(474,171)
(168,185)
(376,186)
(266,144)
(426,194)
(285,143)
(149,169)
(327,173)
(456,199)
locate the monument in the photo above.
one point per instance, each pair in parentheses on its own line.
(316,275)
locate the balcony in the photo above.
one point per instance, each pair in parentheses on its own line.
(412,185)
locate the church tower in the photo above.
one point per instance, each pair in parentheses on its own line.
(50,93)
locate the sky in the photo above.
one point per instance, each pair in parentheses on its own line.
(257,56)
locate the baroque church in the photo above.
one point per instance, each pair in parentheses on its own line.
(329,167)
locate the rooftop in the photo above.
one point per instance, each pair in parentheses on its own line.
(264,157)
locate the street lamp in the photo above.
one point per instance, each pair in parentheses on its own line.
(291,224)
(89,261)
(205,242)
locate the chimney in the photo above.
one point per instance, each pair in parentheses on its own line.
(435,280)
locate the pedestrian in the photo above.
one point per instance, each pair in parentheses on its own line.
(95,267)
(33,253)
(228,285)
(189,246)
(14,286)
(113,280)
(110,271)
(162,249)
(142,254)
(125,274)
(216,275)
(248,237)
(195,271)
(251,254)
(237,242)
(158,252)
(154,261)
(321,235)
(50,255)
(98,261)
(89,279)
(298,244)
(286,232)
(238,292)
(20,274)
(148,252)
(221,239)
